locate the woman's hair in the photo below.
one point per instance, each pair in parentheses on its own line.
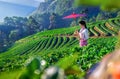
(83,23)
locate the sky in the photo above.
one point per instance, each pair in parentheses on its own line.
(33,3)
(17,8)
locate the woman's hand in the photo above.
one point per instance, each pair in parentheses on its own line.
(76,34)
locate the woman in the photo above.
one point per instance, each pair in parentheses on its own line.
(82,34)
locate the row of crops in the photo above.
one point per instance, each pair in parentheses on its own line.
(106,28)
(86,56)
(53,44)
(37,45)
(90,54)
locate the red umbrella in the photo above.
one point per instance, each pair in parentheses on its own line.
(74,15)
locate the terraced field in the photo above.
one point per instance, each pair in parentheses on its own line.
(53,45)
(101,28)
(106,28)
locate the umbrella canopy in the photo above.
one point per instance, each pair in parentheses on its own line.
(74,15)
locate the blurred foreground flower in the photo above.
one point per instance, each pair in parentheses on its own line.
(109,67)
(53,73)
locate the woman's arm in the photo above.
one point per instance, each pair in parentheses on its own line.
(76,34)
(81,35)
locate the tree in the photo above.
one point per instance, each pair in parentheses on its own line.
(110,14)
(14,35)
(4,41)
(118,14)
(73,23)
(52,21)
(32,25)
(100,16)
(8,21)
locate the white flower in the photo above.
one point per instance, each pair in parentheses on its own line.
(53,72)
(43,62)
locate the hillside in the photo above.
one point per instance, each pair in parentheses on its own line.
(55,6)
(60,8)
(52,45)
(63,8)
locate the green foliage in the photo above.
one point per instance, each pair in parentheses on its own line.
(73,23)
(70,68)
(118,42)
(118,14)
(32,70)
(14,35)
(68,59)
(65,60)
(99,17)
(104,4)
(10,74)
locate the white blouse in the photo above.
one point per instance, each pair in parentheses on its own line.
(84,34)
